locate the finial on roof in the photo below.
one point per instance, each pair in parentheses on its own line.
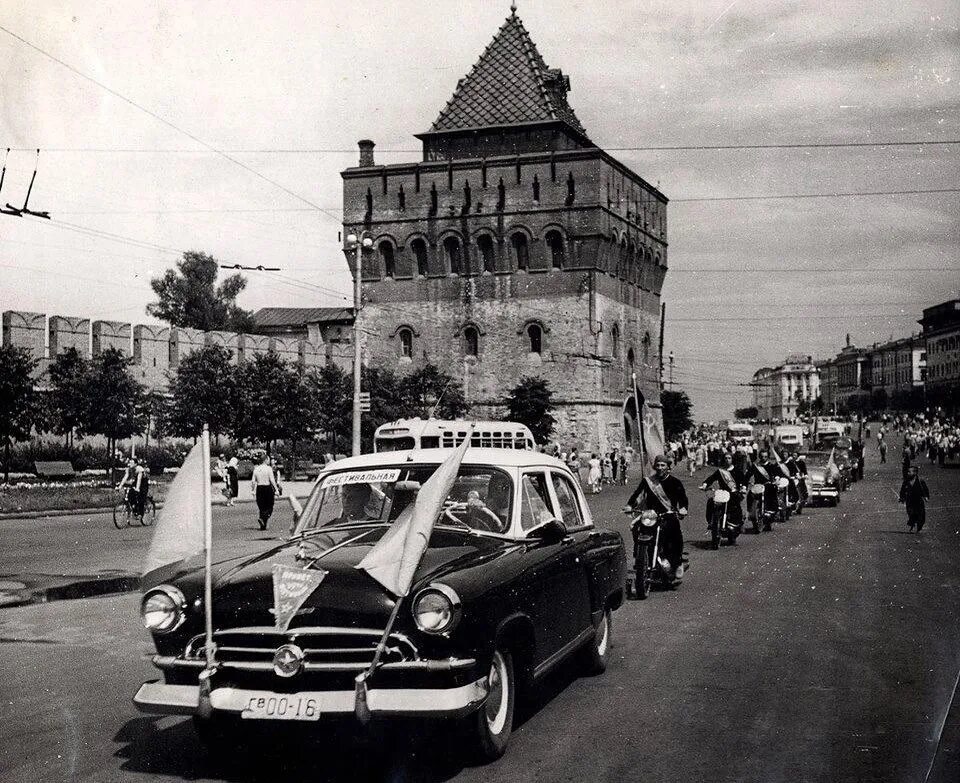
(513,8)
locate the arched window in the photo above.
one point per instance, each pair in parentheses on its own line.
(631,358)
(451,252)
(615,341)
(485,245)
(386,255)
(521,251)
(406,343)
(419,248)
(471,341)
(646,347)
(555,243)
(535,333)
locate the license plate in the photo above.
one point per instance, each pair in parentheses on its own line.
(281,707)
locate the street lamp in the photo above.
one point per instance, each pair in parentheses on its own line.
(357,243)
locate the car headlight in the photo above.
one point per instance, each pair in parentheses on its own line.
(163,609)
(436,609)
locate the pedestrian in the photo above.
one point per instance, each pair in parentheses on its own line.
(265,488)
(224,476)
(623,469)
(615,466)
(906,463)
(595,476)
(914,494)
(573,462)
(233,477)
(606,467)
(882,448)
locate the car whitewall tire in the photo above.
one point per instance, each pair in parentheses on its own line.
(489,728)
(597,652)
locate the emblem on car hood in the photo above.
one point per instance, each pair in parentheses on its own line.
(291,587)
(288,660)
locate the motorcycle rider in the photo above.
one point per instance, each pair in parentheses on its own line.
(664,494)
(732,478)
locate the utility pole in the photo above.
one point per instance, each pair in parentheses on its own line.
(663,319)
(358,244)
(670,358)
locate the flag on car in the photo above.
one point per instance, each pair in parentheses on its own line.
(179,533)
(393,560)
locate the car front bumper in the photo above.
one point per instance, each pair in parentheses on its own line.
(824,493)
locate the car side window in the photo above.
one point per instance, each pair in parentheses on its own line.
(570,513)
(534,501)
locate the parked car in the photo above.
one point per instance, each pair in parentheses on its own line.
(516,579)
(823,478)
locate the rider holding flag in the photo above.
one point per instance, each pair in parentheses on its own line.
(664,494)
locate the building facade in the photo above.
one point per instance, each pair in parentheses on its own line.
(941,333)
(516,247)
(898,371)
(778,391)
(853,378)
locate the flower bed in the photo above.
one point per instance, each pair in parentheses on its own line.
(30,496)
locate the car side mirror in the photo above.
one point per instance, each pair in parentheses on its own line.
(550,531)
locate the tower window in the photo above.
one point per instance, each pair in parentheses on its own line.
(471,341)
(555,243)
(485,245)
(389,264)
(646,347)
(419,248)
(406,343)
(631,358)
(521,251)
(536,188)
(615,341)
(535,334)
(451,249)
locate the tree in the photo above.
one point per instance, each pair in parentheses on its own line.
(203,391)
(189,297)
(67,398)
(816,407)
(332,392)
(429,389)
(117,408)
(530,403)
(17,399)
(746,413)
(677,410)
(390,399)
(276,403)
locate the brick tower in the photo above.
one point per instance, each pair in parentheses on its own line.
(516,247)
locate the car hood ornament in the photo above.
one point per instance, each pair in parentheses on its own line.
(291,588)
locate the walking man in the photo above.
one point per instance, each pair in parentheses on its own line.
(914,494)
(265,489)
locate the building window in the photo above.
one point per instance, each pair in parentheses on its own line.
(406,343)
(471,341)
(646,348)
(386,254)
(521,251)
(615,341)
(451,251)
(535,334)
(555,243)
(631,357)
(485,245)
(419,248)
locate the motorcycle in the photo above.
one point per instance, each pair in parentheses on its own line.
(775,502)
(720,523)
(755,507)
(797,494)
(649,568)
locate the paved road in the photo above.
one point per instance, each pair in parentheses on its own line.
(824,651)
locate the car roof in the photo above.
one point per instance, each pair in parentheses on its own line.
(504,458)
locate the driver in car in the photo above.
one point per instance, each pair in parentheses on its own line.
(354,499)
(492,513)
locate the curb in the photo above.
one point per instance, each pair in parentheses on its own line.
(66,512)
(80,587)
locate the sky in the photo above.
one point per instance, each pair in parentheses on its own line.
(285,90)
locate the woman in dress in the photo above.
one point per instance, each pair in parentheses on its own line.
(593,479)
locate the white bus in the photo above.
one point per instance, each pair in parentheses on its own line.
(828,432)
(790,436)
(739,432)
(442,434)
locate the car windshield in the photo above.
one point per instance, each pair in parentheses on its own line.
(481,498)
(817,459)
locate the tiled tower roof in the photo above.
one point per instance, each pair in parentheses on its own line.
(509,85)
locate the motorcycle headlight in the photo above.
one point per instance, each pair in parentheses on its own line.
(436,609)
(163,609)
(648,518)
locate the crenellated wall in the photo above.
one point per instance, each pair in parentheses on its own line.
(156,351)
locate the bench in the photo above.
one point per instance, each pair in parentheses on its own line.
(59,469)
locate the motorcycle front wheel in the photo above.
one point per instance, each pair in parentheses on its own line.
(715,536)
(644,578)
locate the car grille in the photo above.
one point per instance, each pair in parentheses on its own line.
(325,649)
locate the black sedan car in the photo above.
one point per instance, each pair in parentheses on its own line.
(515,580)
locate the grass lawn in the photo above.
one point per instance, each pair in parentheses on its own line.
(15,499)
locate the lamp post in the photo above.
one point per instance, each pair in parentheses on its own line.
(358,244)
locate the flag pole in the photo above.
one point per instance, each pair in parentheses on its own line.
(636,404)
(204,705)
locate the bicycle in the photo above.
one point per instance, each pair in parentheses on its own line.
(123,511)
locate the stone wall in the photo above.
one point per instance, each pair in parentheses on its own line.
(155,350)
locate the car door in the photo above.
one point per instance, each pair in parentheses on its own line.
(548,573)
(572,511)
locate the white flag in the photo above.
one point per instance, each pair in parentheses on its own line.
(393,560)
(179,532)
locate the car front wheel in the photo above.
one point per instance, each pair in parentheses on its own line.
(489,728)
